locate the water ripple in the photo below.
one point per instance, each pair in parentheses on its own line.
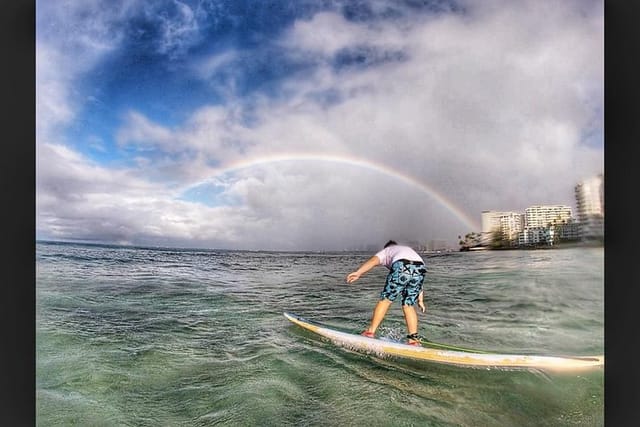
(141,336)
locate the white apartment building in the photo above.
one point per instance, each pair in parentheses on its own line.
(544,224)
(509,224)
(532,236)
(539,225)
(569,231)
(490,222)
(590,204)
(544,215)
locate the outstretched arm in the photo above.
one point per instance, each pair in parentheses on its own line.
(368,265)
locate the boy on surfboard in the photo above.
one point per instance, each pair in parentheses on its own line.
(405,278)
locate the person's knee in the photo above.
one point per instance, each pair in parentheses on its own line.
(383,304)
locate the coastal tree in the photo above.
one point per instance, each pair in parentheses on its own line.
(498,240)
(471,240)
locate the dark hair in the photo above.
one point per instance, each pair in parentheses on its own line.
(389,243)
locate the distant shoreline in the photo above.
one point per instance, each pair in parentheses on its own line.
(564,245)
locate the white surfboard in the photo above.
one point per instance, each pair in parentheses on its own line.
(461,357)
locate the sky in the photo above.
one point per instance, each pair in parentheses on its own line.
(310,124)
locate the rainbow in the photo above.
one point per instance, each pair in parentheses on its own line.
(352,162)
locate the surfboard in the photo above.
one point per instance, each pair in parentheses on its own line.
(443,353)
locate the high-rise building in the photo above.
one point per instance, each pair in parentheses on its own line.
(590,204)
(546,224)
(490,223)
(543,216)
(508,224)
(511,223)
(532,236)
(539,225)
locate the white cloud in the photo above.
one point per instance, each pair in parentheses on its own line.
(179,30)
(71,38)
(325,34)
(486,108)
(140,131)
(207,67)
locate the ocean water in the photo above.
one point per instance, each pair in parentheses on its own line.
(164,337)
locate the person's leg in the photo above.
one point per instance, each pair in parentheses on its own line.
(411,318)
(378,314)
(387,296)
(409,299)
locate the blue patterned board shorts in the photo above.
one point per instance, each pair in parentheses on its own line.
(406,280)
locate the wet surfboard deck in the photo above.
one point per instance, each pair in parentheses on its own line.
(443,353)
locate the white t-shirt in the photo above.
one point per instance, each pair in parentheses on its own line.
(393,253)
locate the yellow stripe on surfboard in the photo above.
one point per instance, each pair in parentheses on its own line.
(452,357)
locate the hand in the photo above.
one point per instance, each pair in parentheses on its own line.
(423,307)
(352,277)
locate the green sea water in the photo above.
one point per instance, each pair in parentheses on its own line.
(163,337)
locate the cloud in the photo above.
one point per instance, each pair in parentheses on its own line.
(207,67)
(80,200)
(498,106)
(139,130)
(325,34)
(71,38)
(178,27)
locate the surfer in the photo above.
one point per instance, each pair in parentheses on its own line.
(405,278)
